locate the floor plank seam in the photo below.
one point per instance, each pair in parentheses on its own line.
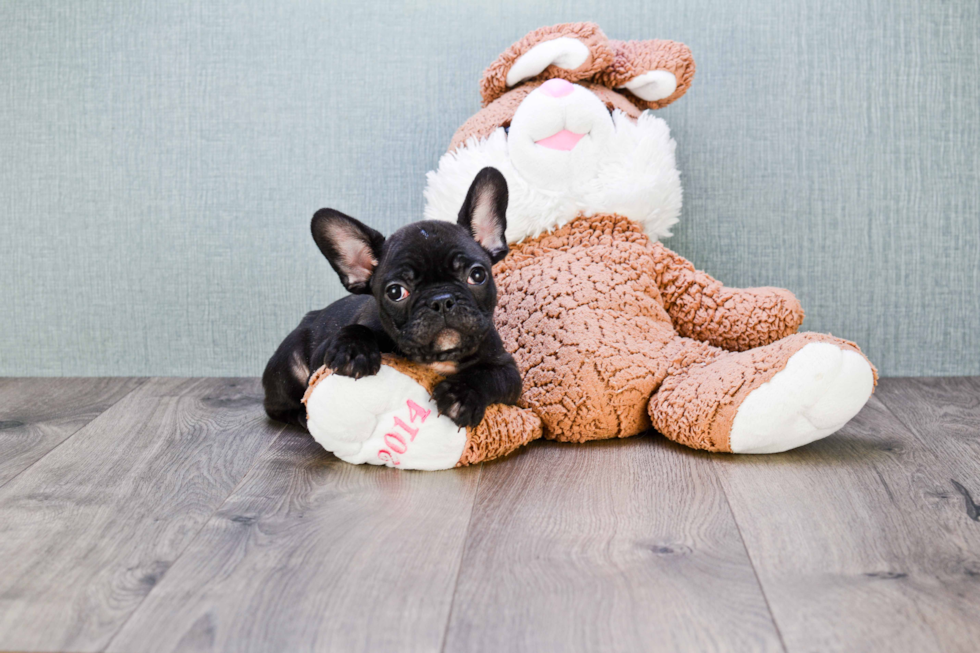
(923,444)
(908,427)
(748,554)
(459,566)
(191,540)
(143,380)
(971,508)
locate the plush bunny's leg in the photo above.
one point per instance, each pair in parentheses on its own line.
(765,400)
(503,430)
(391,419)
(385,419)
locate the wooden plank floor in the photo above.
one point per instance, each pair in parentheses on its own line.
(170,515)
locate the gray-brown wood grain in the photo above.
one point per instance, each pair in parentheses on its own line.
(89,529)
(944,415)
(624,545)
(38,414)
(314,554)
(178,518)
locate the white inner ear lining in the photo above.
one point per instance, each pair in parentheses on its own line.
(356,258)
(483,223)
(565,52)
(653,85)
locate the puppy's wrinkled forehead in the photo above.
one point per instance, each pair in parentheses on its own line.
(430,249)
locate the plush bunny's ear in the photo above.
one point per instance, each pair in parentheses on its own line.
(652,74)
(652,86)
(484,212)
(564,52)
(351,247)
(570,51)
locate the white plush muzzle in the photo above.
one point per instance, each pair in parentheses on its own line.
(617,166)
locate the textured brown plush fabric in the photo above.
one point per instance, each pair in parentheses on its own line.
(633,58)
(503,429)
(493,84)
(501,111)
(581,312)
(731,318)
(585,312)
(421,374)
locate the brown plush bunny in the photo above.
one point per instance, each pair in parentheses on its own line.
(611,330)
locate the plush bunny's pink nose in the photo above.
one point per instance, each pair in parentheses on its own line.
(557,87)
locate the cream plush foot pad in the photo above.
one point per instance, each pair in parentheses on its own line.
(821,388)
(385,419)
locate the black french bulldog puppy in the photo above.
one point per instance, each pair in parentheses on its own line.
(425,293)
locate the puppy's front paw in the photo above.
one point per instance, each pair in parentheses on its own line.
(353,355)
(462,403)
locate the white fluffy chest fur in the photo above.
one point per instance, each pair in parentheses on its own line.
(635,176)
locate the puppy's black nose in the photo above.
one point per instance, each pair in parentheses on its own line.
(442,303)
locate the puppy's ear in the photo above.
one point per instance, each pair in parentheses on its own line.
(352,248)
(484,212)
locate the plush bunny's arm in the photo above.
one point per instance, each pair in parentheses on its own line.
(735,319)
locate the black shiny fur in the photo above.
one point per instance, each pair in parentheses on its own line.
(435,263)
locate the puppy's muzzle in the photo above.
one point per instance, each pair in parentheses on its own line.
(447,339)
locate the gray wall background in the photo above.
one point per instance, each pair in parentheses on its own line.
(160,161)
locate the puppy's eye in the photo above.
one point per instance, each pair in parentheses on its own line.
(396,292)
(478,276)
